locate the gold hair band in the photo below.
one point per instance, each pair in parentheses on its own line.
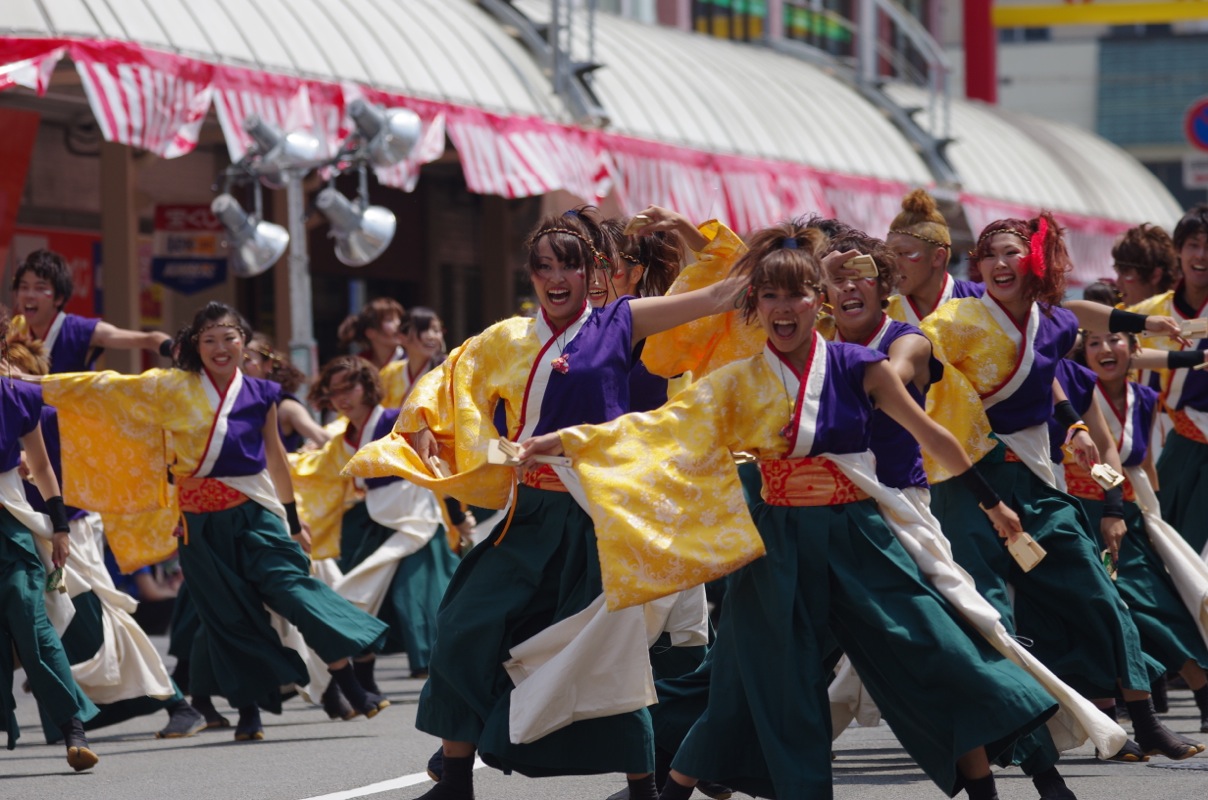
(921,237)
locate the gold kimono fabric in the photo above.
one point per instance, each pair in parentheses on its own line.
(662,487)
(456,401)
(978,356)
(120,434)
(705,344)
(396,380)
(1161,305)
(323,494)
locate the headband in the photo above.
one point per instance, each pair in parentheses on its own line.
(921,237)
(602,262)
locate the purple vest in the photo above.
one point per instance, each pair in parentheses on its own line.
(70,351)
(1144,407)
(844,411)
(899,458)
(242,451)
(385,425)
(20,411)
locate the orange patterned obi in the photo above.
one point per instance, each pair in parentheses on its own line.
(1079,483)
(1184,427)
(202,495)
(815,481)
(542,476)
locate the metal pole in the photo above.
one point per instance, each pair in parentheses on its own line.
(302,349)
(866,44)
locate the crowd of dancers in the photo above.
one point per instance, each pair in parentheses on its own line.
(883,480)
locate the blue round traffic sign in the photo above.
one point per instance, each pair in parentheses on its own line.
(1195,124)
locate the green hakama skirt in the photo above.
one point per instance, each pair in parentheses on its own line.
(1183,473)
(1078,624)
(415,592)
(838,574)
(25,629)
(508,588)
(237,562)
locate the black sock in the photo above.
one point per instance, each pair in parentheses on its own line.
(1201,699)
(364,672)
(346,679)
(643,788)
(675,791)
(981,788)
(456,781)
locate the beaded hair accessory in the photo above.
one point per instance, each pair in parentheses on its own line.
(987,234)
(631,259)
(921,237)
(215,324)
(602,262)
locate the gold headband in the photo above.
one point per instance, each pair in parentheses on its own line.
(921,237)
(631,259)
(215,324)
(601,261)
(1027,238)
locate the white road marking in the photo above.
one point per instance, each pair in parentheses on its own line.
(383,786)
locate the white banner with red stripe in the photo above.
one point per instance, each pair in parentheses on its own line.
(158,101)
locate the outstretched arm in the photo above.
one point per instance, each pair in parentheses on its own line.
(113,337)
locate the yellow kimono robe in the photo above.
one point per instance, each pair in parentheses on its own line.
(978,356)
(705,344)
(644,474)
(323,494)
(397,383)
(120,435)
(456,402)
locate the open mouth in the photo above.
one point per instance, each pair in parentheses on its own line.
(784,329)
(558,296)
(597,294)
(1004,279)
(852,307)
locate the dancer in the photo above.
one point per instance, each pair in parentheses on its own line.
(1142,544)
(234,492)
(41,287)
(833,566)
(25,628)
(261,360)
(1184,393)
(423,343)
(377,329)
(569,365)
(1000,353)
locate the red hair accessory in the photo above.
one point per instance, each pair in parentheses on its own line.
(1035,261)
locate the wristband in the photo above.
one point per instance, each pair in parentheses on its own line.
(57,511)
(975,484)
(1184,359)
(1126,322)
(1113,503)
(456,515)
(291,518)
(1073,429)
(1065,414)
(165,348)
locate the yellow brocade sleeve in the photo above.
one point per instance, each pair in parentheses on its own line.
(394,383)
(662,487)
(114,456)
(323,494)
(1161,305)
(705,344)
(894,309)
(456,401)
(963,342)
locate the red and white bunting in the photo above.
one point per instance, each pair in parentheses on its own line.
(155,103)
(285,103)
(32,71)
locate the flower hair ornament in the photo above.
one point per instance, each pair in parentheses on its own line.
(1035,261)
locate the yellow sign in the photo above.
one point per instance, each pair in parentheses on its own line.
(1044,15)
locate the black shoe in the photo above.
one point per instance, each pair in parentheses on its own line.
(1130,753)
(714,790)
(334,704)
(79,757)
(249,728)
(205,705)
(183,720)
(436,765)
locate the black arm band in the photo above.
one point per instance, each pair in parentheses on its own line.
(58,514)
(456,515)
(165,348)
(291,519)
(1065,414)
(1126,322)
(1184,359)
(975,484)
(1113,503)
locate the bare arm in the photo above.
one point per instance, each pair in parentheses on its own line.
(1150,358)
(113,337)
(278,470)
(296,419)
(1096,316)
(908,358)
(44,478)
(653,315)
(664,219)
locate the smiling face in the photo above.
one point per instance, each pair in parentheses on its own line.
(425,345)
(1108,355)
(220,345)
(606,285)
(855,302)
(787,316)
(561,289)
(1193,258)
(347,396)
(1004,272)
(35,298)
(1133,287)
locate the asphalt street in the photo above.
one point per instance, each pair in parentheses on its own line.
(307,757)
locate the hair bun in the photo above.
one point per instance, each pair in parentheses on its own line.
(921,203)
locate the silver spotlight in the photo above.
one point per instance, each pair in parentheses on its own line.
(281,151)
(255,244)
(362,232)
(390,133)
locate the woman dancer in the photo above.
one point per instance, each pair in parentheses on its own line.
(569,365)
(396,532)
(1168,631)
(234,490)
(25,628)
(423,343)
(833,566)
(377,329)
(1000,354)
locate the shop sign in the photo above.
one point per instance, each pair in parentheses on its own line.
(188,256)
